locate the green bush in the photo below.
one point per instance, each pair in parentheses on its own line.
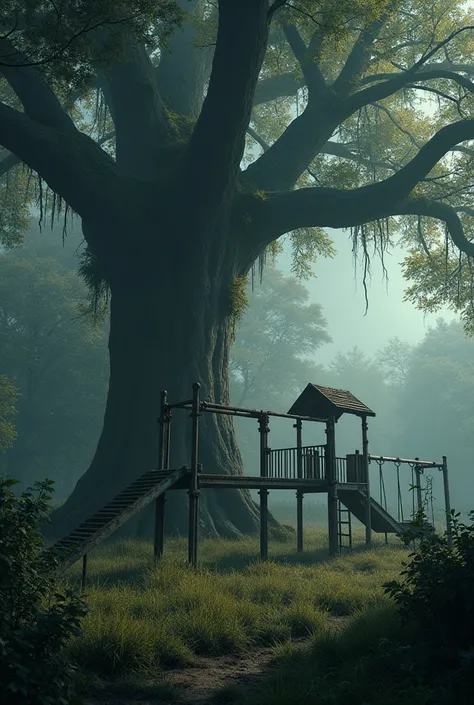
(437,592)
(37,619)
(436,597)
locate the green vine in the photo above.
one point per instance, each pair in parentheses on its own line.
(238,299)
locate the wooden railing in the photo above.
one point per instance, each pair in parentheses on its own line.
(283,463)
(341,469)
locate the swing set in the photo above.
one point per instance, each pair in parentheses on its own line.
(305,469)
(422,498)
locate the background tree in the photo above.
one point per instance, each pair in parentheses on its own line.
(173,198)
(273,356)
(395,359)
(435,410)
(275,342)
(361,375)
(58,362)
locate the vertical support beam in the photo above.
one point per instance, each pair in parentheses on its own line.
(263,524)
(299,448)
(419,497)
(159,526)
(366,476)
(84,571)
(193,491)
(299,495)
(447,503)
(332,487)
(163,463)
(264,430)
(299,521)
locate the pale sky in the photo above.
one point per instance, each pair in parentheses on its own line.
(338,288)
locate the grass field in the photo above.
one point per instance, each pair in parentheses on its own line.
(147,619)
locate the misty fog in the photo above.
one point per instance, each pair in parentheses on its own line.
(417,416)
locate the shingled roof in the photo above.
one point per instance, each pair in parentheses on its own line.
(325,402)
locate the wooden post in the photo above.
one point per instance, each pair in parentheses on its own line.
(366,477)
(193,491)
(299,495)
(299,521)
(419,497)
(264,430)
(447,503)
(263,524)
(84,571)
(159,526)
(163,463)
(332,487)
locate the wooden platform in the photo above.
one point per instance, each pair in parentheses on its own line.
(155,483)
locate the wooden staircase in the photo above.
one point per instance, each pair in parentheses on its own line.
(123,507)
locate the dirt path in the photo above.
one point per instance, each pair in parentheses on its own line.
(196,685)
(209,675)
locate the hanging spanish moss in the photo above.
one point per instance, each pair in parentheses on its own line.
(97,286)
(260,262)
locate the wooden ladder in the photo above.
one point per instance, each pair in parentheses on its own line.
(122,508)
(344,522)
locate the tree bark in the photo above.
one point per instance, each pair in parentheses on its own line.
(167,331)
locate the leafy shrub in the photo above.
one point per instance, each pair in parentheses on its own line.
(37,619)
(437,592)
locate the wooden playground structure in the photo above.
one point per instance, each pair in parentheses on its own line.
(305,469)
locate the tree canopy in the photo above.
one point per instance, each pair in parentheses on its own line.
(366,128)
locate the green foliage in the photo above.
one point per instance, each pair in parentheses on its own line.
(436,592)
(238,298)
(37,619)
(8,397)
(68,40)
(441,277)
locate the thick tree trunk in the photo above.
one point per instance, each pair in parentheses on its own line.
(165,335)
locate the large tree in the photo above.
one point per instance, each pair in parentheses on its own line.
(173,209)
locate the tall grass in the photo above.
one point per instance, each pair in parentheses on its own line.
(146,617)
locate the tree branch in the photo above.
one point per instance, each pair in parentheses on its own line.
(279,86)
(337,149)
(311,71)
(278,213)
(276,5)
(396,81)
(425,70)
(440,211)
(281,166)
(219,135)
(259,140)
(139,115)
(8,163)
(184,67)
(72,164)
(37,98)
(359,56)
